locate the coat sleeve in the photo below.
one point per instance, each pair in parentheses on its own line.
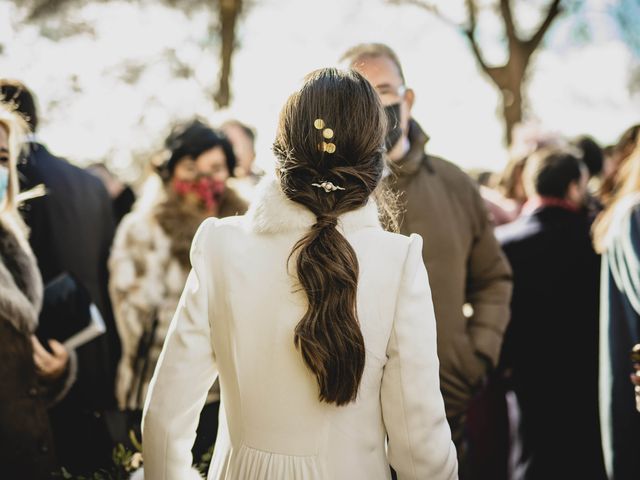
(57,390)
(131,297)
(489,286)
(184,373)
(420,443)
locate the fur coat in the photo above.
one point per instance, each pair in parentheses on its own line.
(25,434)
(148,267)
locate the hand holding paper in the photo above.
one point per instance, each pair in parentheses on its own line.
(49,366)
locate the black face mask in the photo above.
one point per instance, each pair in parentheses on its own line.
(394,130)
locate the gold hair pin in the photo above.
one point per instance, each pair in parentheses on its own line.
(327,134)
(327,186)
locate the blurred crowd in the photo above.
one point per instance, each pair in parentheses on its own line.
(534,272)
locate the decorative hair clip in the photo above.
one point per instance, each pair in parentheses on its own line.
(327,186)
(327,133)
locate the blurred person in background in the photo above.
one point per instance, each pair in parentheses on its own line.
(122,195)
(607,160)
(617,238)
(149,261)
(504,200)
(554,321)
(506,195)
(500,210)
(71,230)
(635,375)
(593,158)
(247,174)
(465,262)
(32,378)
(243,139)
(615,163)
(592,155)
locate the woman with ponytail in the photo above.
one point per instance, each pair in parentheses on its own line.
(319,323)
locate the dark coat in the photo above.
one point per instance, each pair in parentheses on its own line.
(620,330)
(465,265)
(26,443)
(71,230)
(551,344)
(123,204)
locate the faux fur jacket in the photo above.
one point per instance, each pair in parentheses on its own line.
(148,269)
(25,435)
(20,281)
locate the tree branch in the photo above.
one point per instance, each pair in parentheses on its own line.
(552,13)
(42,8)
(509,24)
(476,50)
(429,8)
(472,12)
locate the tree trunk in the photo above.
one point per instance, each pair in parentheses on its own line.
(511,88)
(509,79)
(511,109)
(229,12)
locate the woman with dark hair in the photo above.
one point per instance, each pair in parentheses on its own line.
(149,260)
(319,323)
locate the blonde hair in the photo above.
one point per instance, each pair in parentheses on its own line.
(628,184)
(16,129)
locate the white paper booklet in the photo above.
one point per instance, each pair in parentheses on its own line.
(93,330)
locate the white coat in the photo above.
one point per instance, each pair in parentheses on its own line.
(236,318)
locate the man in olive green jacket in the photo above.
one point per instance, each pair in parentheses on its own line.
(465,262)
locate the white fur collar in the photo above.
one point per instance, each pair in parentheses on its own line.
(273,212)
(20,278)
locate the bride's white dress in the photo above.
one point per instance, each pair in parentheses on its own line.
(236,318)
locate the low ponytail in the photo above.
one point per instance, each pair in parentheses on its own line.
(329,336)
(330,179)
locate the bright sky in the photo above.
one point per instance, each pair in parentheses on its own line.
(89,113)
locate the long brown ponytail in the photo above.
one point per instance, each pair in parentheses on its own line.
(329,335)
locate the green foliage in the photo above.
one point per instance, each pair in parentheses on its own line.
(203,464)
(125,462)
